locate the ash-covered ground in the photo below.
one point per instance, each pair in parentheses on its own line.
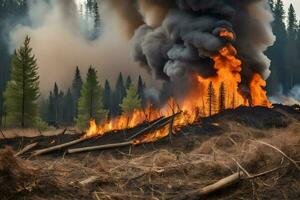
(193,158)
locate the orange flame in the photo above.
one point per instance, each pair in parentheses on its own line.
(258,94)
(227,34)
(194,105)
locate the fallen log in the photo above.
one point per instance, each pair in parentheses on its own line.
(101,147)
(58,147)
(26,149)
(221,184)
(157,124)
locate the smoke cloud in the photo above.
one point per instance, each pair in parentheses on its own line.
(59,44)
(183,37)
(292,98)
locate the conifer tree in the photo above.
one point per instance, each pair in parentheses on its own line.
(55,104)
(107,97)
(90,104)
(22,91)
(277,53)
(297,70)
(128,82)
(140,88)
(222,97)
(60,113)
(293,60)
(51,110)
(68,115)
(131,101)
(119,94)
(292,23)
(211,98)
(76,88)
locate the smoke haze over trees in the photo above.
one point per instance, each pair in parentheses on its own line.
(86,35)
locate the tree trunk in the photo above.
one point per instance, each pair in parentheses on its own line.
(23,99)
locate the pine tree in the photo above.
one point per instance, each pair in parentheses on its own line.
(93,18)
(90,104)
(128,82)
(292,23)
(97,21)
(141,91)
(211,98)
(131,101)
(297,70)
(60,113)
(68,115)
(22,91)
(76,88)
(51,110)
(293,60)
(277,53)
(10,14)
(222,97)
(107,97)
(55,105)
(119,94)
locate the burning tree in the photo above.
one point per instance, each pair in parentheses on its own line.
(222,95)
(211,98)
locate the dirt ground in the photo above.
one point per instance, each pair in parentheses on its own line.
(195,157)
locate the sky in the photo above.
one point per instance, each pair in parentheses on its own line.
(296,4)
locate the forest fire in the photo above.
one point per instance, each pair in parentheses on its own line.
(209,96)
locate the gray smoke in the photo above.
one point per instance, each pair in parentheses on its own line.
(292,98)
(189,35)
(60,45)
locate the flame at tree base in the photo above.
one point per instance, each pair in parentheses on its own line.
(209,96)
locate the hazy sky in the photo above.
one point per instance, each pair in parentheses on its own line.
(296,4)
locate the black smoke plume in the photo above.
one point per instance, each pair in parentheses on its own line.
(184,34)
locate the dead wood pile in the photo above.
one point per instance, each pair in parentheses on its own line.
(167,172)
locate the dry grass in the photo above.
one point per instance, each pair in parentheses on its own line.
(163,173)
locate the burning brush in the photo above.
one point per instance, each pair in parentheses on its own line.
(205,51)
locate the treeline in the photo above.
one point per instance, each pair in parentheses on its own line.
(84,100)
(88,99)
(285,53)
(14,12)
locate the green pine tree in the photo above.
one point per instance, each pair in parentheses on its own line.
(141,91)
(277,53)
(297,70)
(107,97)
(128,82)
(22,91)
(51,110)
(76,89)
(119,94)
(131,101)
(293,60)
(90,104)
(68,115)
(292,25)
